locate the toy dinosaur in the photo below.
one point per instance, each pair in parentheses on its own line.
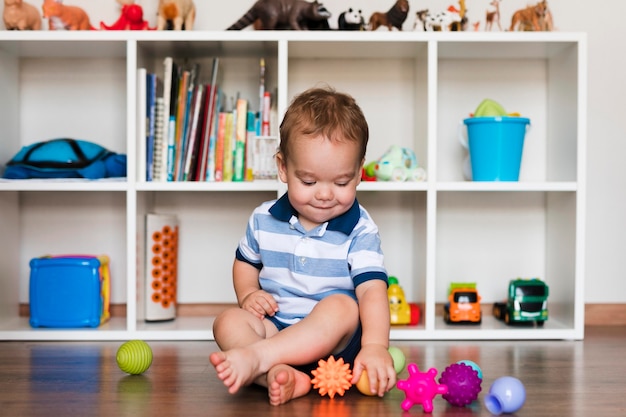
(275,14)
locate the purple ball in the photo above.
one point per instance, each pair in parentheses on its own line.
(463,384)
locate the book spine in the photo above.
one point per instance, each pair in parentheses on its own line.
(151,82)
(141,124)
(168,64)
(157,167)
(180,123)
(219,146)
(241,133)
(171,131)
(251,134)
(227,169)
(192,145)
(211,101)
(210,168)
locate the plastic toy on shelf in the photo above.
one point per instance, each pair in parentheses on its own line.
(396,164)
(420,388)
(65,17)
(463,304)
(131,18)
(527,301)
(401,312)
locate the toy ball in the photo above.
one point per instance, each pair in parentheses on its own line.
(506,395)
(463,384)
(474,366)
(332,377)
(134,357)
(399,360)
(363,385)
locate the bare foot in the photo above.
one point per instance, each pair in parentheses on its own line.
(236,367)
(285,383)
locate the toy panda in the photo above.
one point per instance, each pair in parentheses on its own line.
(351,20)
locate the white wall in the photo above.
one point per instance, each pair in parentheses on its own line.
(606,184)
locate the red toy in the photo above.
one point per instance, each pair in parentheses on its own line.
(332,377)
(463,384)
(420,388)
(131,18)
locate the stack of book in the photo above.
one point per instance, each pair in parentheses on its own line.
(190,135)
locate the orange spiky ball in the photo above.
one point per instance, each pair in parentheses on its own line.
(332,377)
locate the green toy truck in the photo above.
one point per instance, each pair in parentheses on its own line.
(527,302)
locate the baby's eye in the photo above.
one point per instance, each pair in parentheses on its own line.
(308,183)
(341,184)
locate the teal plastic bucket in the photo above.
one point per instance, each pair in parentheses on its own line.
(495,147)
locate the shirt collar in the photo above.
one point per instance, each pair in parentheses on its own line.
(345,223)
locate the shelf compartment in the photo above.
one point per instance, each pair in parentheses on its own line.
(549,81)
(204,269)
(493,237)
(400,81)
(43,223)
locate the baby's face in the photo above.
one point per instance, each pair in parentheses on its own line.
(322,177)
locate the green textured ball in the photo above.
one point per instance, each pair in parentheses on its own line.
(134,357)
(399,360)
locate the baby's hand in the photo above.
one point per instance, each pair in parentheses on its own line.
(260,303)
(376,360)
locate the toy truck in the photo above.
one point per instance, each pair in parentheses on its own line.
(463,304)
(527,302)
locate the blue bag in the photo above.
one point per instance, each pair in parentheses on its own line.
(65,158)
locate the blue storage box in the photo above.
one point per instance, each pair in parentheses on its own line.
(69,291)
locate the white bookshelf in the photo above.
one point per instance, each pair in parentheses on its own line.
(414,88)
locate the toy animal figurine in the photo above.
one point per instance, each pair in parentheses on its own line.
(62,17)
(493,15)
(281,14)
(19,15)
(461,12)
(180,14)
(351,19)
(131,18)
(442,21)
(394,17)
(420,20)
(531,18)
(306,24)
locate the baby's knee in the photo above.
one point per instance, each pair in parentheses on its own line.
(343,305)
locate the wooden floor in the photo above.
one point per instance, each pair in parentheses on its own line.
(79,379)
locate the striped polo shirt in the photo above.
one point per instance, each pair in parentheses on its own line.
(299,267)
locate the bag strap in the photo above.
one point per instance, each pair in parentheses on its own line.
(82,161)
